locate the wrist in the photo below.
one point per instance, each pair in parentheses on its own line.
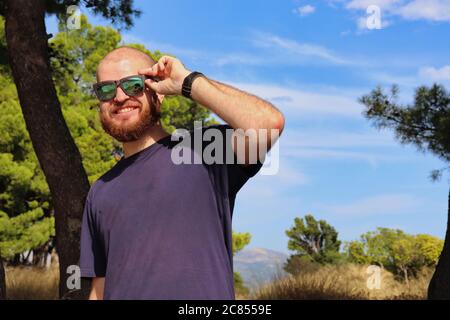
(188,83)
(183,76)
(185,73)
(197,86)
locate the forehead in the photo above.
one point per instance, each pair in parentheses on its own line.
(115,69)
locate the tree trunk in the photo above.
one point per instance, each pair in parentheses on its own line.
(405,276)
(439,287)
(2,281)
(59,158)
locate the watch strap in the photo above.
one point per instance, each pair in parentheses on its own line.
(187,83)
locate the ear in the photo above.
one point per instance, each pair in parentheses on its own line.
(160,98)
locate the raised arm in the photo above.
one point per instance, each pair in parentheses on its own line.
(239,109)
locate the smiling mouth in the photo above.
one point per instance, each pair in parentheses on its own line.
(125,109)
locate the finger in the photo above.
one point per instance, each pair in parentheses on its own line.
(153,71)
(158,69)
(152,84)
(147,71)
(164,59)
(161,65)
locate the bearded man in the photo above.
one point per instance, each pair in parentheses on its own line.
(153,228)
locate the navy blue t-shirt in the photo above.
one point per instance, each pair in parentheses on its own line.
(159,230)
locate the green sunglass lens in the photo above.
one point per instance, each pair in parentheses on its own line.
(133,86)
(107,91)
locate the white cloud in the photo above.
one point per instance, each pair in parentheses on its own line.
(390,79)
(369,146)
(436,74)
(434,10)
(268,49)
(361,24)
(305,10)
(296,102)
(292,47)
(364,4)
(291,175)
(372,158)
(165,47)
(431,10)
(384,204)
(239,58)
(338,139)
(288,175)
(278,188)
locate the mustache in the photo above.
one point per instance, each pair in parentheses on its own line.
(127,103)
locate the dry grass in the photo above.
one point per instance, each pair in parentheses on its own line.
(344,282)
(32,283)
(329,282)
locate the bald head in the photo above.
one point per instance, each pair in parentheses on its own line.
(123,58)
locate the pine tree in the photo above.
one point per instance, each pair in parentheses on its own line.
(425,124)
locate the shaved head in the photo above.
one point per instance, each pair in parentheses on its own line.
(125,53)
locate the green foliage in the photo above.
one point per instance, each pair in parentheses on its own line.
(425,124)
(180,112)
(240,240)
(317,240)
(297,264)
(74,55)
(398,252)
(239,285)
(24,232)
(21,179)
(3,54)
(120,12)
(429,247)
(24,194)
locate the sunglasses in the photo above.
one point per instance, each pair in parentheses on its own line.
(132,86)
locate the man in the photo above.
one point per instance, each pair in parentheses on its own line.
(154,229)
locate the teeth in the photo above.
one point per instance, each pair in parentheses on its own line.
(125,110)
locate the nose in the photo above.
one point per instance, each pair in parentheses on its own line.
(120,96)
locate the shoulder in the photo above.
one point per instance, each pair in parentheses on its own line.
(100,183)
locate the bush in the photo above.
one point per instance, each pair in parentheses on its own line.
(344,282)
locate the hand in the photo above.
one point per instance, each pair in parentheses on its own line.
(171,72)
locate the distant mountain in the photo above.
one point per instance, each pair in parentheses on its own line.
(258,266)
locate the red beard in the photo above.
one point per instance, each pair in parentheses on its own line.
(134,131)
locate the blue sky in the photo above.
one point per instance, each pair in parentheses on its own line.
(313,59)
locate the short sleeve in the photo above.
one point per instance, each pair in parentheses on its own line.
(237,174)
(92,255)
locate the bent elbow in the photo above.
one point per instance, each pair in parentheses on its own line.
(279,122)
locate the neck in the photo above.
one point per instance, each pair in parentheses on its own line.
(155,133)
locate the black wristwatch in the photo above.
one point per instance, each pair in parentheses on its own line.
(187,83)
